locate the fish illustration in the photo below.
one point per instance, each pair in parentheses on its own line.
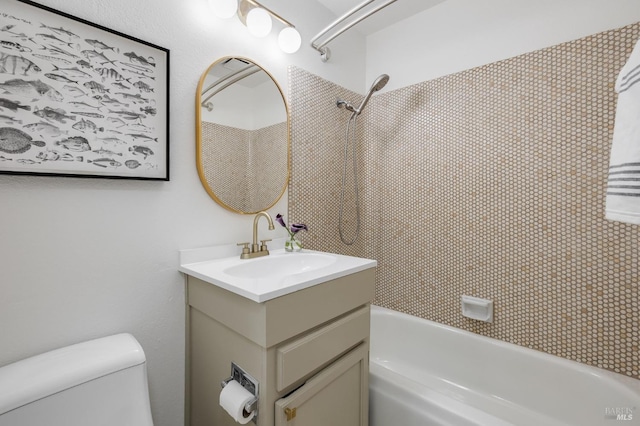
(72,72)
(136,67)
(112,140)
(89,125)
(143,87)
(84,105)
(27,161)
(141,127)
(108,100)
(111,74)
(141,150)
(74,143)
(58,51)
(116,121)
(12,105)
(105,162)
(121,86)
(141,136)
(53,38)
(97,44)
(22,37)
(88,114)
(56,114)
(15,141)
(95,87)
(139,74)
(77,92)
(140,60)
(52,58)
(9,64)
(128,115)
(30,89)
(92,55)
(84,64)
(58,77)
(51,155)
(59,30)
(132,164)
(14,46)
(137,98)
(5,119)
(149,110)
(43,128)
(103,151)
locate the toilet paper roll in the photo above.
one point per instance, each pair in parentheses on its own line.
(233,398)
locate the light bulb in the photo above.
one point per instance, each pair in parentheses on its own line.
(223,9)
(259,22)
(289,40)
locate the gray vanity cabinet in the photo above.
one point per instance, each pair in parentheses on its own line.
(309,351)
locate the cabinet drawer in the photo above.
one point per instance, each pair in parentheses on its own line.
(303,356)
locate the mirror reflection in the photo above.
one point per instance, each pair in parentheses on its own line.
(242,136)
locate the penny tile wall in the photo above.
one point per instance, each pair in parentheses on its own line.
(244,167)
(490,183)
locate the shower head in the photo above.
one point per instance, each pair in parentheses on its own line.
(378,84)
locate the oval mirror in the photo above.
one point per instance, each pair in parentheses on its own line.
(242,140)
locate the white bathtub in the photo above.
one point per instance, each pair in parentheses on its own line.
(424,373)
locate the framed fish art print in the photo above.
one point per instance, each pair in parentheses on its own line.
(78,99)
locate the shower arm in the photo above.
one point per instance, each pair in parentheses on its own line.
(227,77)
(325,53)
(227,81)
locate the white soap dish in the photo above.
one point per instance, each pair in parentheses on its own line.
(477,309)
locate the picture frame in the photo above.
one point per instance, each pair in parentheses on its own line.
(78,99)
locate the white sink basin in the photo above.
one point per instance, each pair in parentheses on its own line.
(280,265)
(277,274)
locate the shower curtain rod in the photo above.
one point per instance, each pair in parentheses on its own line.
(228,80)
(325,53)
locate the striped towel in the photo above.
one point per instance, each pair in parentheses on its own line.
(623,189)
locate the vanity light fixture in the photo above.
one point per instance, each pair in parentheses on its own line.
(289,40)
(224,9)
(257,18)
(258,22)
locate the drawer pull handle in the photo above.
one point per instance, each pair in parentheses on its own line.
(290,412)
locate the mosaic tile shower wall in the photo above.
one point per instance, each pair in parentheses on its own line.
(490,183)
(318,130)
(248,172)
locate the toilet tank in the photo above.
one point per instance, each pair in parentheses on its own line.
(101,382)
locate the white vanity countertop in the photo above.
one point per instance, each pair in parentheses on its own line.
(271,276)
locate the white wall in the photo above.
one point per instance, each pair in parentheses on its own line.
(84,258)
(460,34)
(248,108)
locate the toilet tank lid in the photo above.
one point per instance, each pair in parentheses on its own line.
(42,375)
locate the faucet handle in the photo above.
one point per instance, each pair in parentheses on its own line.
(263,246)
(245,249)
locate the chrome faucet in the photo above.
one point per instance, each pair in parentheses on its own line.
(257,250)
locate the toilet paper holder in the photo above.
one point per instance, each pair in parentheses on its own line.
(247,382)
